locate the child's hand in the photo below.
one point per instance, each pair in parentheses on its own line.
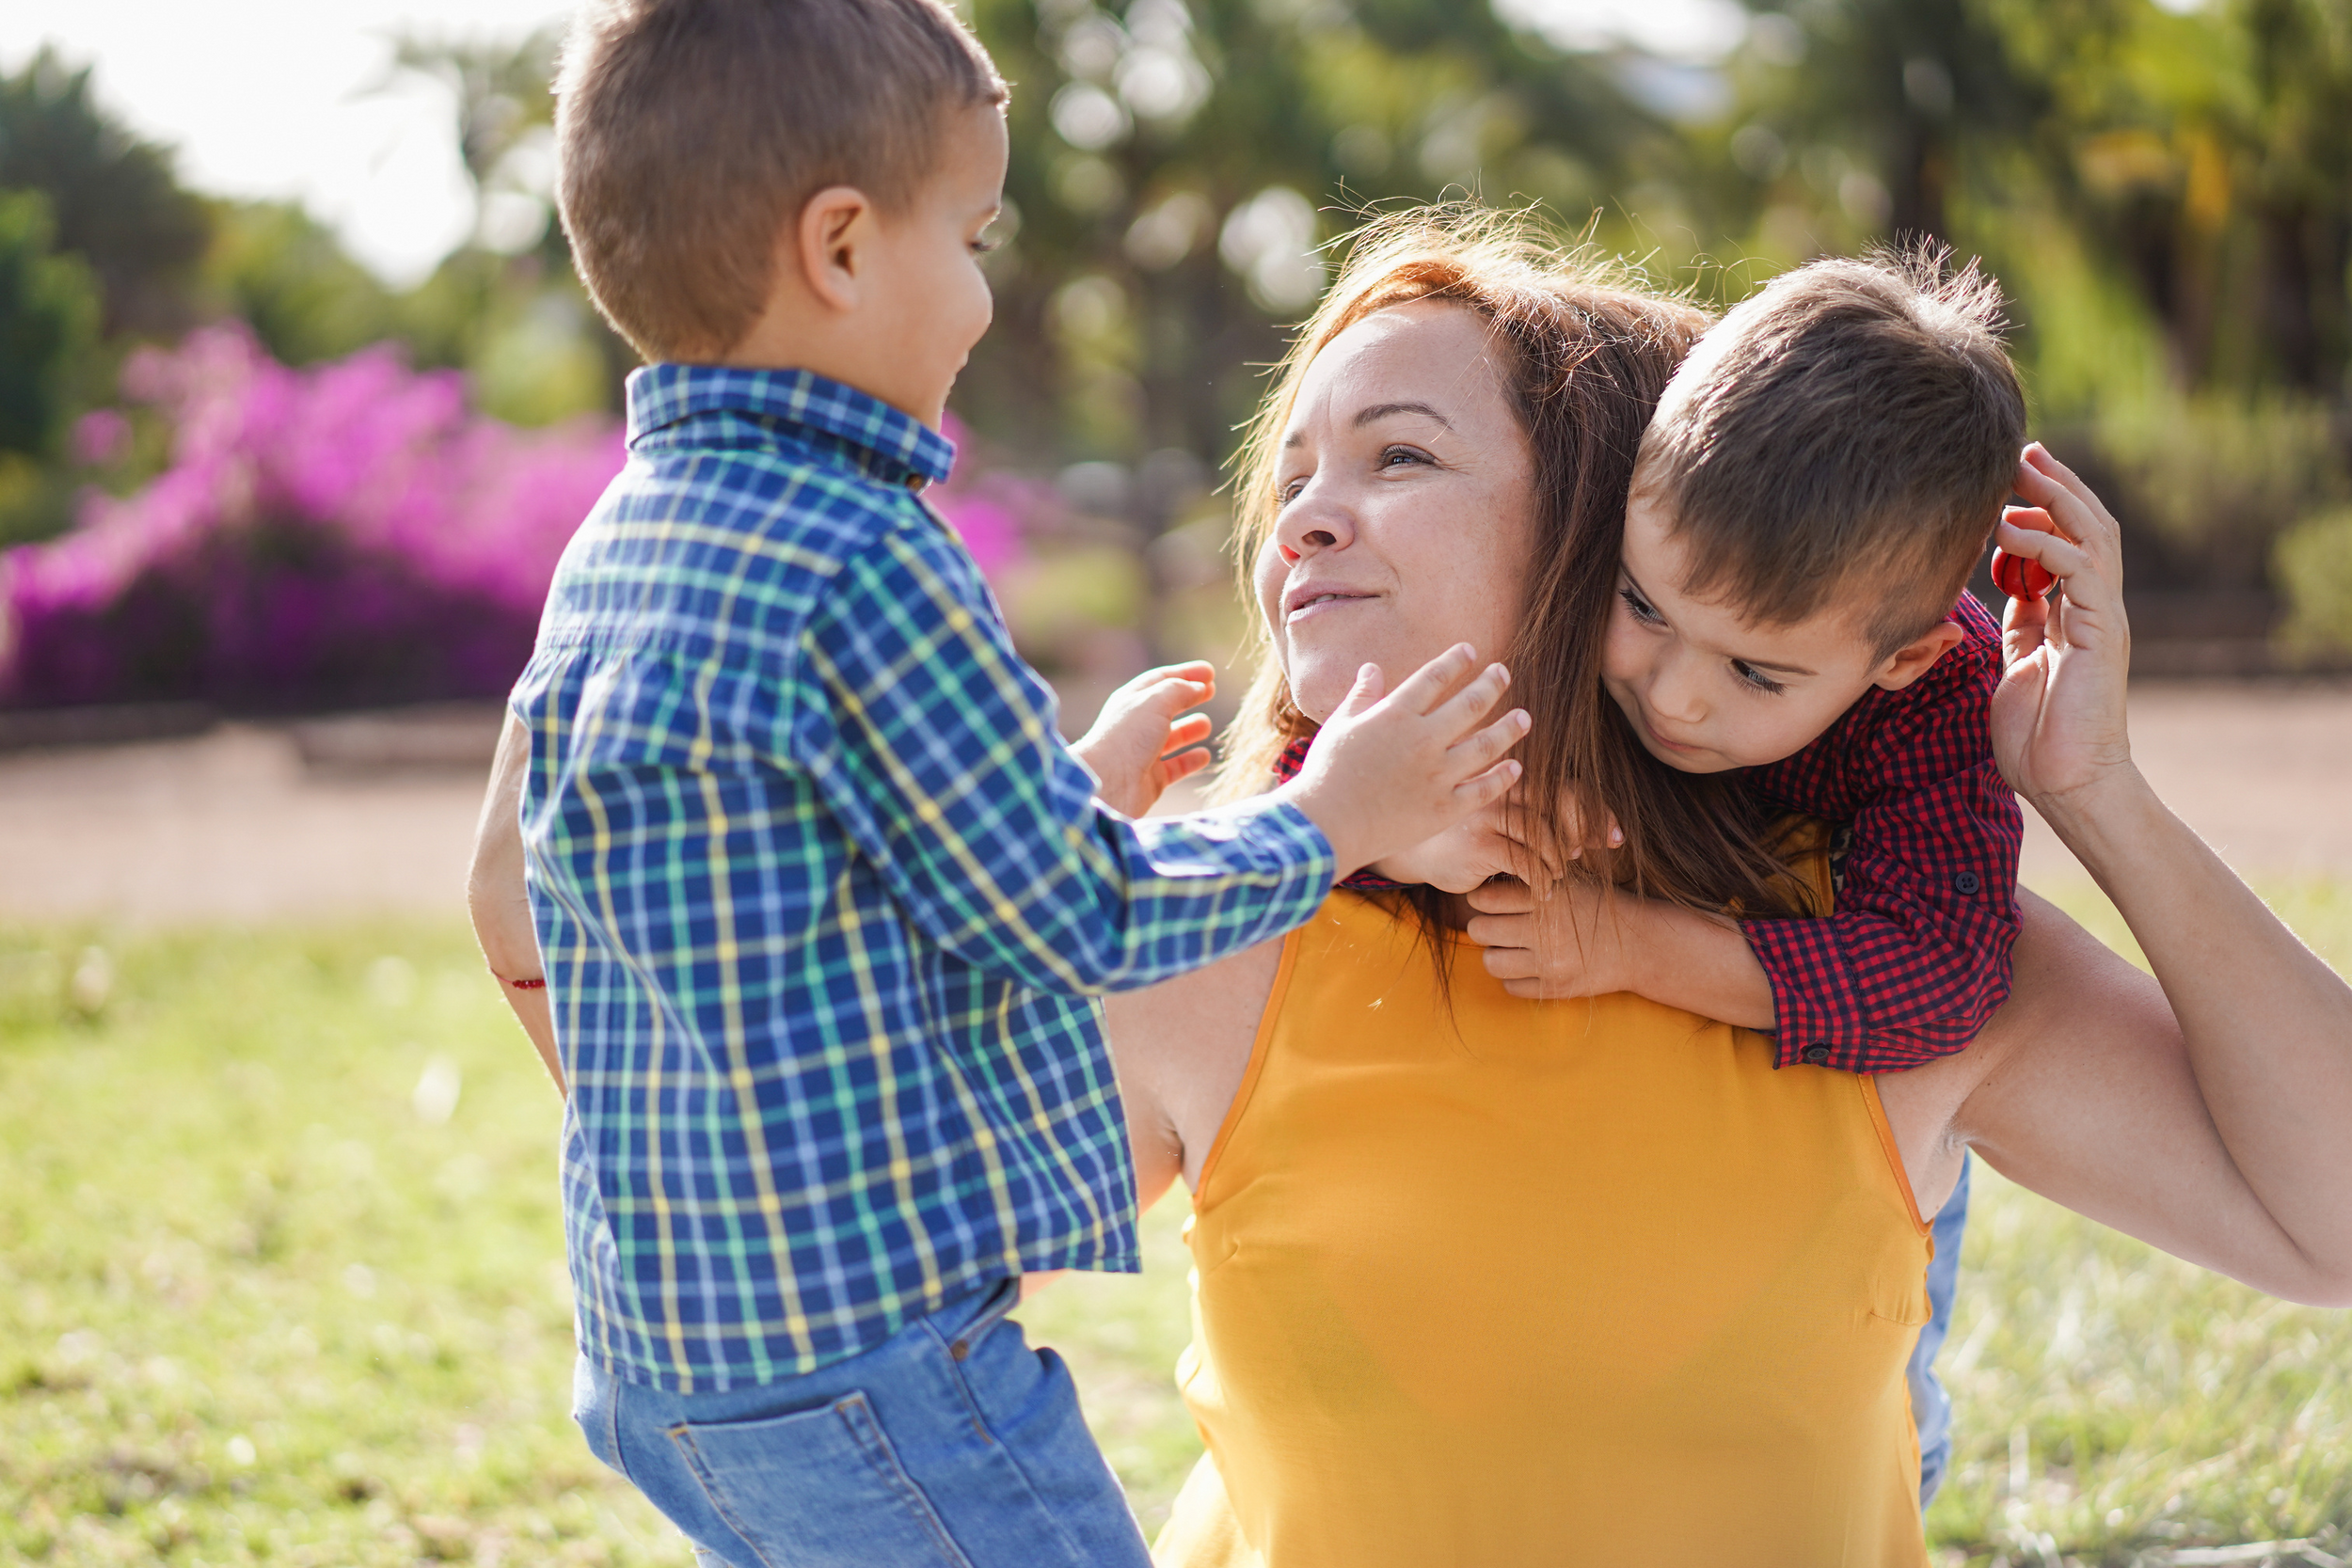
(1136,748)
(1386,773)
(1498,841)
(1576,947)
(1594,941)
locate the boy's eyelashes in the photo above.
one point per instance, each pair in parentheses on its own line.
(1643,609)
(1748,674)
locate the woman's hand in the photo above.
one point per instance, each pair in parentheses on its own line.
(2058,717)
(1138,746)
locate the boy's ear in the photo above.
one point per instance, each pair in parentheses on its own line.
(1917,657)
(830,240)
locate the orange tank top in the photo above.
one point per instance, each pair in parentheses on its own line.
(1541,1283)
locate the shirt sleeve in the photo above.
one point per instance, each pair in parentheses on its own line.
(934,746)
(1915,955)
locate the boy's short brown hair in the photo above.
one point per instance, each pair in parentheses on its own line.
(689,132)
(1850,431)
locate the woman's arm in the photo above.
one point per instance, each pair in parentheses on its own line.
(1182,1048)
(495,899)
(2220,1136)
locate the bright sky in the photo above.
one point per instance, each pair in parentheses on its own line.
(270,98)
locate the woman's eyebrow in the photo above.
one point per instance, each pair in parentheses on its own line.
(1382,411)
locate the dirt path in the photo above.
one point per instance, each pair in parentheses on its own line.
(367,814)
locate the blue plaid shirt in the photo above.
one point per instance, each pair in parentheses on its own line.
(823,900)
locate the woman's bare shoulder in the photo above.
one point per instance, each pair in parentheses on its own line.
(1183,1045)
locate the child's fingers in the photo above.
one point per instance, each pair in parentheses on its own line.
(1466,707)
(1491,742)
(1501,898)
(1511,963)
(1185,731)
(1172,697)
(1425,687)
(1489,787)
(1364,693)
(1182,765)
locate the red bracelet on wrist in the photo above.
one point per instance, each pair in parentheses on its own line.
(529,984)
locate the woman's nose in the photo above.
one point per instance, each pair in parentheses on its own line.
(1310,526)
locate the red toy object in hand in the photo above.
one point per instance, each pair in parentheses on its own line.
(2014,575)
(2019,578)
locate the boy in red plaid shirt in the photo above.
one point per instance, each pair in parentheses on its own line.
(1817,486)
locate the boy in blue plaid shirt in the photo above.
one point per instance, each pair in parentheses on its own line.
(822,901)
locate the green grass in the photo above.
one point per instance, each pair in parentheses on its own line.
(259,1303)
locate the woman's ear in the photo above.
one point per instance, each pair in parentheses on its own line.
(830,240)
(1917,657)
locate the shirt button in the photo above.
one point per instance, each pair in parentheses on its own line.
(917,481)
(1966,882)
(1816,1054)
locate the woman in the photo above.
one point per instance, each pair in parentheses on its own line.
(1489,1281)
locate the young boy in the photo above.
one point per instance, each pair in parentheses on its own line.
(1817,484)
(821,898)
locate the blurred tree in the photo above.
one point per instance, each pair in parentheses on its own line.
(288,276)
(1176,168)
(48,325)
(48,339)
(505,127)
(116,201)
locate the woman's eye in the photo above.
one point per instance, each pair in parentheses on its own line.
(1394,455)
(1289,493)
(983,245)
(1756,677)
(1641,608)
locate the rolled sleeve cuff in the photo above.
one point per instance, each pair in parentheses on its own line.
(1817,1016)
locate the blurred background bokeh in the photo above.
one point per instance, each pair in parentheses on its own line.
(300,399)
(256,459)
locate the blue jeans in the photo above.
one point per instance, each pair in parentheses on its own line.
(950,1445)
(1930,1407)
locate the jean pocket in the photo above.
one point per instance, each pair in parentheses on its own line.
(821,1488)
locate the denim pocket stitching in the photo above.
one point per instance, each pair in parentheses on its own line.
(959,1375)
(858,1417)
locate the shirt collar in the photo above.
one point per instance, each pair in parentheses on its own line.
(895,446)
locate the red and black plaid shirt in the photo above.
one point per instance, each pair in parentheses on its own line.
(1916,954)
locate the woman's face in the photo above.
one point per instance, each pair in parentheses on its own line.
(1408,504)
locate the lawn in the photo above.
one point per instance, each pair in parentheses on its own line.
(280,1281)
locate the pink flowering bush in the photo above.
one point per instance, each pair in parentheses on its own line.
(348,534)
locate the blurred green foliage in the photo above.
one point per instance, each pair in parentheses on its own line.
(2315,567)
(2166,191)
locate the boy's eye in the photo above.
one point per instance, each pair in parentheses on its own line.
(1641,608)
(1754,677)
(982,246)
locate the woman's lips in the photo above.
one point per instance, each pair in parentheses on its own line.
(1320,603)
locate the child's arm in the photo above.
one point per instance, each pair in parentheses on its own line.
(500,907)
(932,747)
(1590,942)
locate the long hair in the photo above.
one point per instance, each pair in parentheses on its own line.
(1588,353)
